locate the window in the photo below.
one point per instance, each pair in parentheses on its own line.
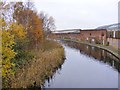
(90,34)
(102,34)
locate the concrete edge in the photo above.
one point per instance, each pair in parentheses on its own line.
(110,51)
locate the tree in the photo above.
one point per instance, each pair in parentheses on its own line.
(48,23)
(32,25)
(51,24)
(18,7)
(29,5)
(6,11)
(8,53)
(17,31)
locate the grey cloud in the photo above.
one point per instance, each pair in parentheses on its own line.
(80,13)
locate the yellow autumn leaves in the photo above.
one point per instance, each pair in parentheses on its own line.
(21,30)
(17,31)
(7,53)
(9,35)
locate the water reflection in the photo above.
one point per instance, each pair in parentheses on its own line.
(99,54)
(85,67)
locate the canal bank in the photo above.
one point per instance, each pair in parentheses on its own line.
(47,60)
(107,48)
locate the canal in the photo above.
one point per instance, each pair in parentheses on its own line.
(85,67)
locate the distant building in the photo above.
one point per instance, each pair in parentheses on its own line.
(96,36)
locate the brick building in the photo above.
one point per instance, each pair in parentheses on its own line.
(97,36)
(92,35)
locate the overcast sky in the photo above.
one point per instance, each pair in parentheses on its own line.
(81,14)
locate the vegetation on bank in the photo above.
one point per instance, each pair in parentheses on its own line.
(41,67)
(26,54)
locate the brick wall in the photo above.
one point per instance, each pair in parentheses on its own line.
(97,36)
(92,36)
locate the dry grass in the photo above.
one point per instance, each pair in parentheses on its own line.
(48,58)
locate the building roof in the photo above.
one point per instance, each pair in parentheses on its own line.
(67,31)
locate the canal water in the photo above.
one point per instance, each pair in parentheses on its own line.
(85,67)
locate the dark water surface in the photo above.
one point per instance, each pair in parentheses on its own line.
(85,67)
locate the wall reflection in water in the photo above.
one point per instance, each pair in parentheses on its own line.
(99,54)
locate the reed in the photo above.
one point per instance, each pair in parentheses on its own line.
(47,59)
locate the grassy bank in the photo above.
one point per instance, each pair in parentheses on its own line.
(47,59)
(110,49)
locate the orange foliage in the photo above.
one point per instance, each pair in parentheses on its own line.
(32,24)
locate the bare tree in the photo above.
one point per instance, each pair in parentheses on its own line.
(6,11)
(29,5)
(48,23)
(51,23)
